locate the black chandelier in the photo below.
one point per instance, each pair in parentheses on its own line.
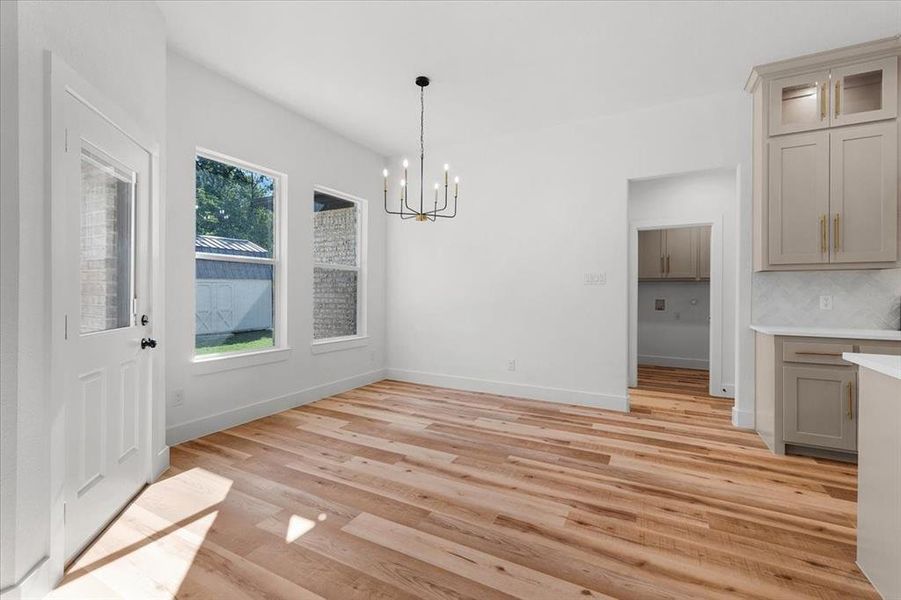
(422,214)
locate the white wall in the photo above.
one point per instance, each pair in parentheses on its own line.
(206,110)
(538,210)
(702,197)
(678,336)
(107,44)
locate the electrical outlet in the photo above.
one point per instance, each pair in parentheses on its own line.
(825,302)
(178,398)
(511,364)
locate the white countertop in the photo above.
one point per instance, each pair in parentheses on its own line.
(827,332)
(881,363)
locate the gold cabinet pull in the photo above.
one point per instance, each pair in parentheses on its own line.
(824,246)
(823,109)
(667,264)
(810,353)
(850,400)
(838,97)
(836,233)
(662,270)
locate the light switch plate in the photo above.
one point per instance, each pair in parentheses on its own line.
(825,302)
(595,278)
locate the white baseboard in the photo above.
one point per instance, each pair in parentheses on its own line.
(674,361)
(36,583)
(190,430)
(742,419)
(533,392)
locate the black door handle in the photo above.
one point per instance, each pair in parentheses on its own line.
(145,342)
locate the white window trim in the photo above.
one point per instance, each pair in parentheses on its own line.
(209,363)
(361,338)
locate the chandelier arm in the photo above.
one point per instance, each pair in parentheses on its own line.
(451,216)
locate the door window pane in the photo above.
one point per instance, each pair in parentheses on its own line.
(107,232)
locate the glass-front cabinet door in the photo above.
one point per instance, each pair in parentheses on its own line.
(799,103)
(865,92)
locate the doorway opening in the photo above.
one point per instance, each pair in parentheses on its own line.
(673,308)
(681,292)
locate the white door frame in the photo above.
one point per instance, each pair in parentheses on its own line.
(62,82)
(716,294)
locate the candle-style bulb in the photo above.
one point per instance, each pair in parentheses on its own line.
(384,172)
(446,167)
(403,182)
(406,163)
(436,185)
(457,179)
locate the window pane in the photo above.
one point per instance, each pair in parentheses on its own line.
(334,230)
(234,204)
(233,306)
(234,300)
(334,303)
(107,196)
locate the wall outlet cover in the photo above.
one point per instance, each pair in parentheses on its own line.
(595,278)
(825,302)
(660,304)
(178,398)
(511,364)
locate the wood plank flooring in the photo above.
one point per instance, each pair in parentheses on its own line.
(397,490)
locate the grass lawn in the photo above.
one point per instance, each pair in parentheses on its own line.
(236,342)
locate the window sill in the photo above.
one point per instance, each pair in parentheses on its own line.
(338,344)
(204,365)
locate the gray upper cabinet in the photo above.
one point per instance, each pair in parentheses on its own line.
(799,103)
(675,253)
(863,197)
(650,254)
(799,198)
(865,92)
(681,257)
(825,180)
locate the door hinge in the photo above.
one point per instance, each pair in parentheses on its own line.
(67,139)
(65,327)
(64,512)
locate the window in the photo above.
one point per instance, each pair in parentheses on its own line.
(337,271)
(236,256)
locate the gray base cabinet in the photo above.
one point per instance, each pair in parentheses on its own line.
(807,393)
(818,406)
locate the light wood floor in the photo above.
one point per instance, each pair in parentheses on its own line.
(397,490)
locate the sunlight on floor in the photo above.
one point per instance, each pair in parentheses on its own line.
(152,545)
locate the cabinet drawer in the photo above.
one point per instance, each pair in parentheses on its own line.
(818,353)
(890,349)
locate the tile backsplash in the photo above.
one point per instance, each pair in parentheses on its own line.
(860,299)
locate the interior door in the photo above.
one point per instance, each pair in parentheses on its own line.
(799,103)
(650,254)
(798,199)
(864,193)
(681,257)
(865,92)
(105,290)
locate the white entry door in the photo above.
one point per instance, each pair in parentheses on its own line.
(106,291)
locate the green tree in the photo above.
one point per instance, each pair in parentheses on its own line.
(233,202)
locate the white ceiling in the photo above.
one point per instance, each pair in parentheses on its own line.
(500,66)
